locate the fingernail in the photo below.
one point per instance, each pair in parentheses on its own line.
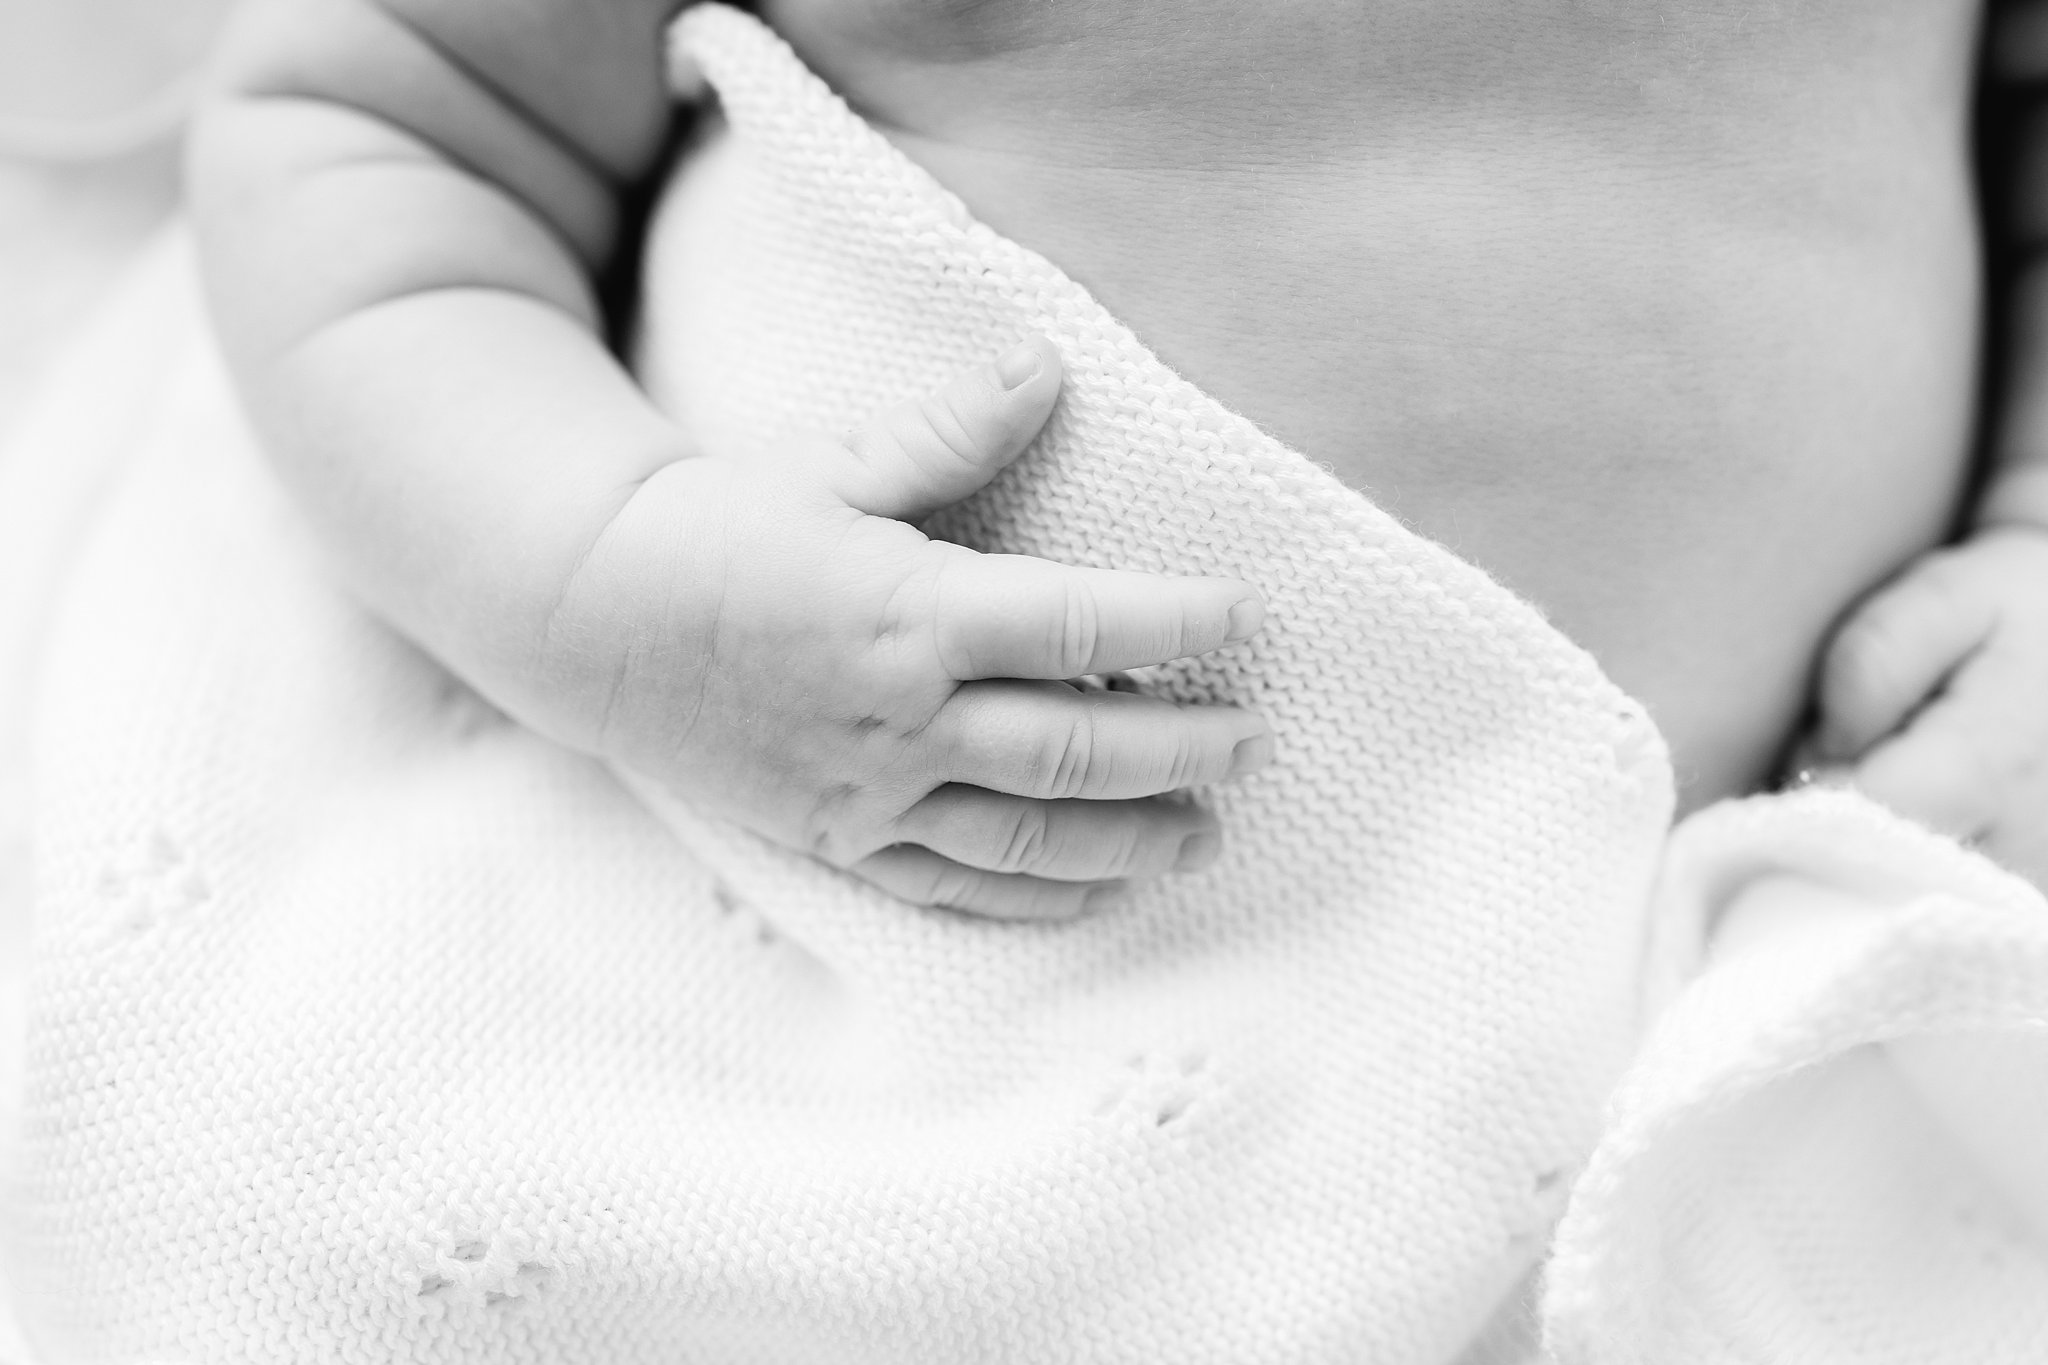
(1250,755)
(1197,851)
(1105,898)
(1245,619)
(1016,366)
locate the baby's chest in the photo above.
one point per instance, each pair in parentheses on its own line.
(1441,47)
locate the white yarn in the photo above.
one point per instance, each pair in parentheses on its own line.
(370,1028)
(1830,1147)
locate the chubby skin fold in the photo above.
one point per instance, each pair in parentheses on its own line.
(1665,315)
(452,1021)
(571,556)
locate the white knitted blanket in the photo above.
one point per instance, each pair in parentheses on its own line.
(370,1028)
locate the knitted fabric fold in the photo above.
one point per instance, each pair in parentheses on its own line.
(1829,1147)
(369,1027)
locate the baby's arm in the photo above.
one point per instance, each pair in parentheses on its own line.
(400,206)
(1934,692)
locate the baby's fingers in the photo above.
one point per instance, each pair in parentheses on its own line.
(1892,653)
(1063,840)
(923,455)
(923,877)
(1960,762)
(1050,742)
(1011,616)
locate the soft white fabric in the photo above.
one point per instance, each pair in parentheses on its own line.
(370,1028)
(1834,1144)
(52,472)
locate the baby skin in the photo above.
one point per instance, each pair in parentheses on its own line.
(1664,315)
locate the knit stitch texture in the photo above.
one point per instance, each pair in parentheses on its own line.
(369,1027)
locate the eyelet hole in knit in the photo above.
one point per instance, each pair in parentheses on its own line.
(1162,1091)
(1999,1235)
(149,889)
(738,913)
(478,1273)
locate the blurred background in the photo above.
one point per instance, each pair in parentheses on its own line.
(92,93)
(92,96)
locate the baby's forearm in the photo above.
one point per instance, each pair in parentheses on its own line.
(399,204)
(462,451)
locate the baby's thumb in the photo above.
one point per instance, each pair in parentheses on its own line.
(922,455)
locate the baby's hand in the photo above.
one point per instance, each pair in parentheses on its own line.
(776,641)
(1934,695)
